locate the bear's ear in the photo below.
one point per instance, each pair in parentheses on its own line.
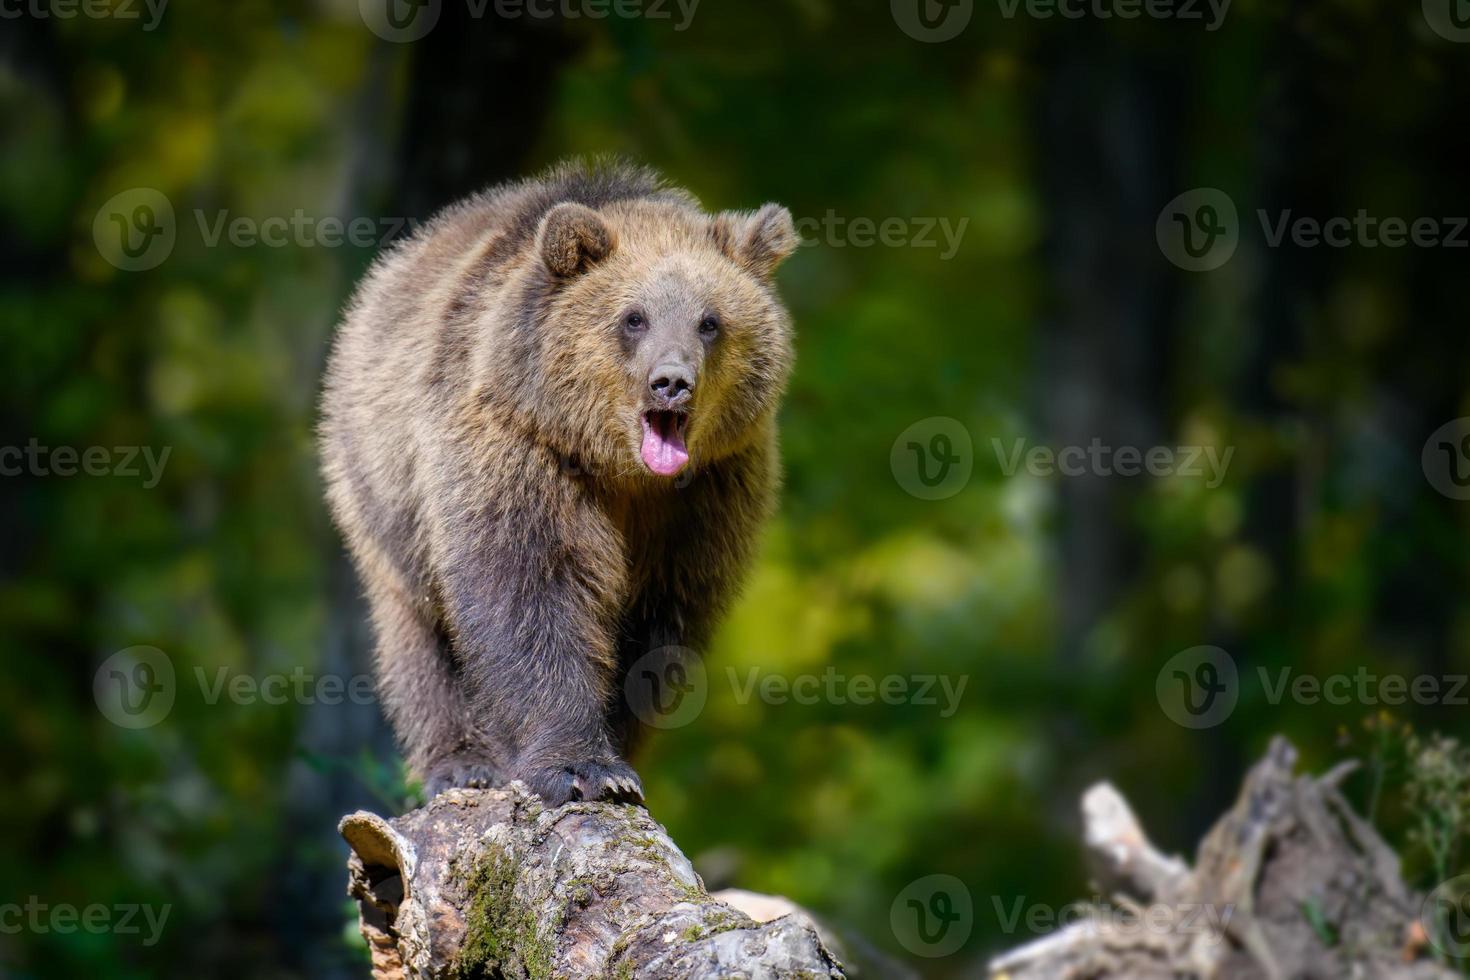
(573,238)
(759,241)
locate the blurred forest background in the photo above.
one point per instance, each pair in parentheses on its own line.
(1057,320)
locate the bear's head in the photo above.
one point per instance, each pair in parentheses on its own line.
(662,343)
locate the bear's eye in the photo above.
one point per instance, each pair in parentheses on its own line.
(710,325)
(634,322)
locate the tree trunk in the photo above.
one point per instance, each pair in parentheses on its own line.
(1290,883)
(491,883)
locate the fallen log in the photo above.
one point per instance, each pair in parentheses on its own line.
(1290,883)
(491,883)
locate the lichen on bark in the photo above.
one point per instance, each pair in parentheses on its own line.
(491,883)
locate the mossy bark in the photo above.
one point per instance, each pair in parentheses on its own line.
(489,883)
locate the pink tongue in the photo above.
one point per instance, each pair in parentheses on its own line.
(663,451)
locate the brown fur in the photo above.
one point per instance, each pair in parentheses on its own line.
(480,436)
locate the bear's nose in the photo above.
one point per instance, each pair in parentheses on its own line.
(672,385)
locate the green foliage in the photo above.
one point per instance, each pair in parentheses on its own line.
(1438,795)
(1057,600)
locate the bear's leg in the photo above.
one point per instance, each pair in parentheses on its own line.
(532,593)
(649,651)
(420,692)
(540,687)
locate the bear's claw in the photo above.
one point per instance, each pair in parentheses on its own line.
(459,773)
(613,781)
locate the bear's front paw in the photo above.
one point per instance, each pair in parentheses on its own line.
(603,779)
(459,772)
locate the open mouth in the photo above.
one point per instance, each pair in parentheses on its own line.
(663,448)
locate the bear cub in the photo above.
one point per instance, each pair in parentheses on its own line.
(548,437)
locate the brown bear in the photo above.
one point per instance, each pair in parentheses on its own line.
(548,436)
